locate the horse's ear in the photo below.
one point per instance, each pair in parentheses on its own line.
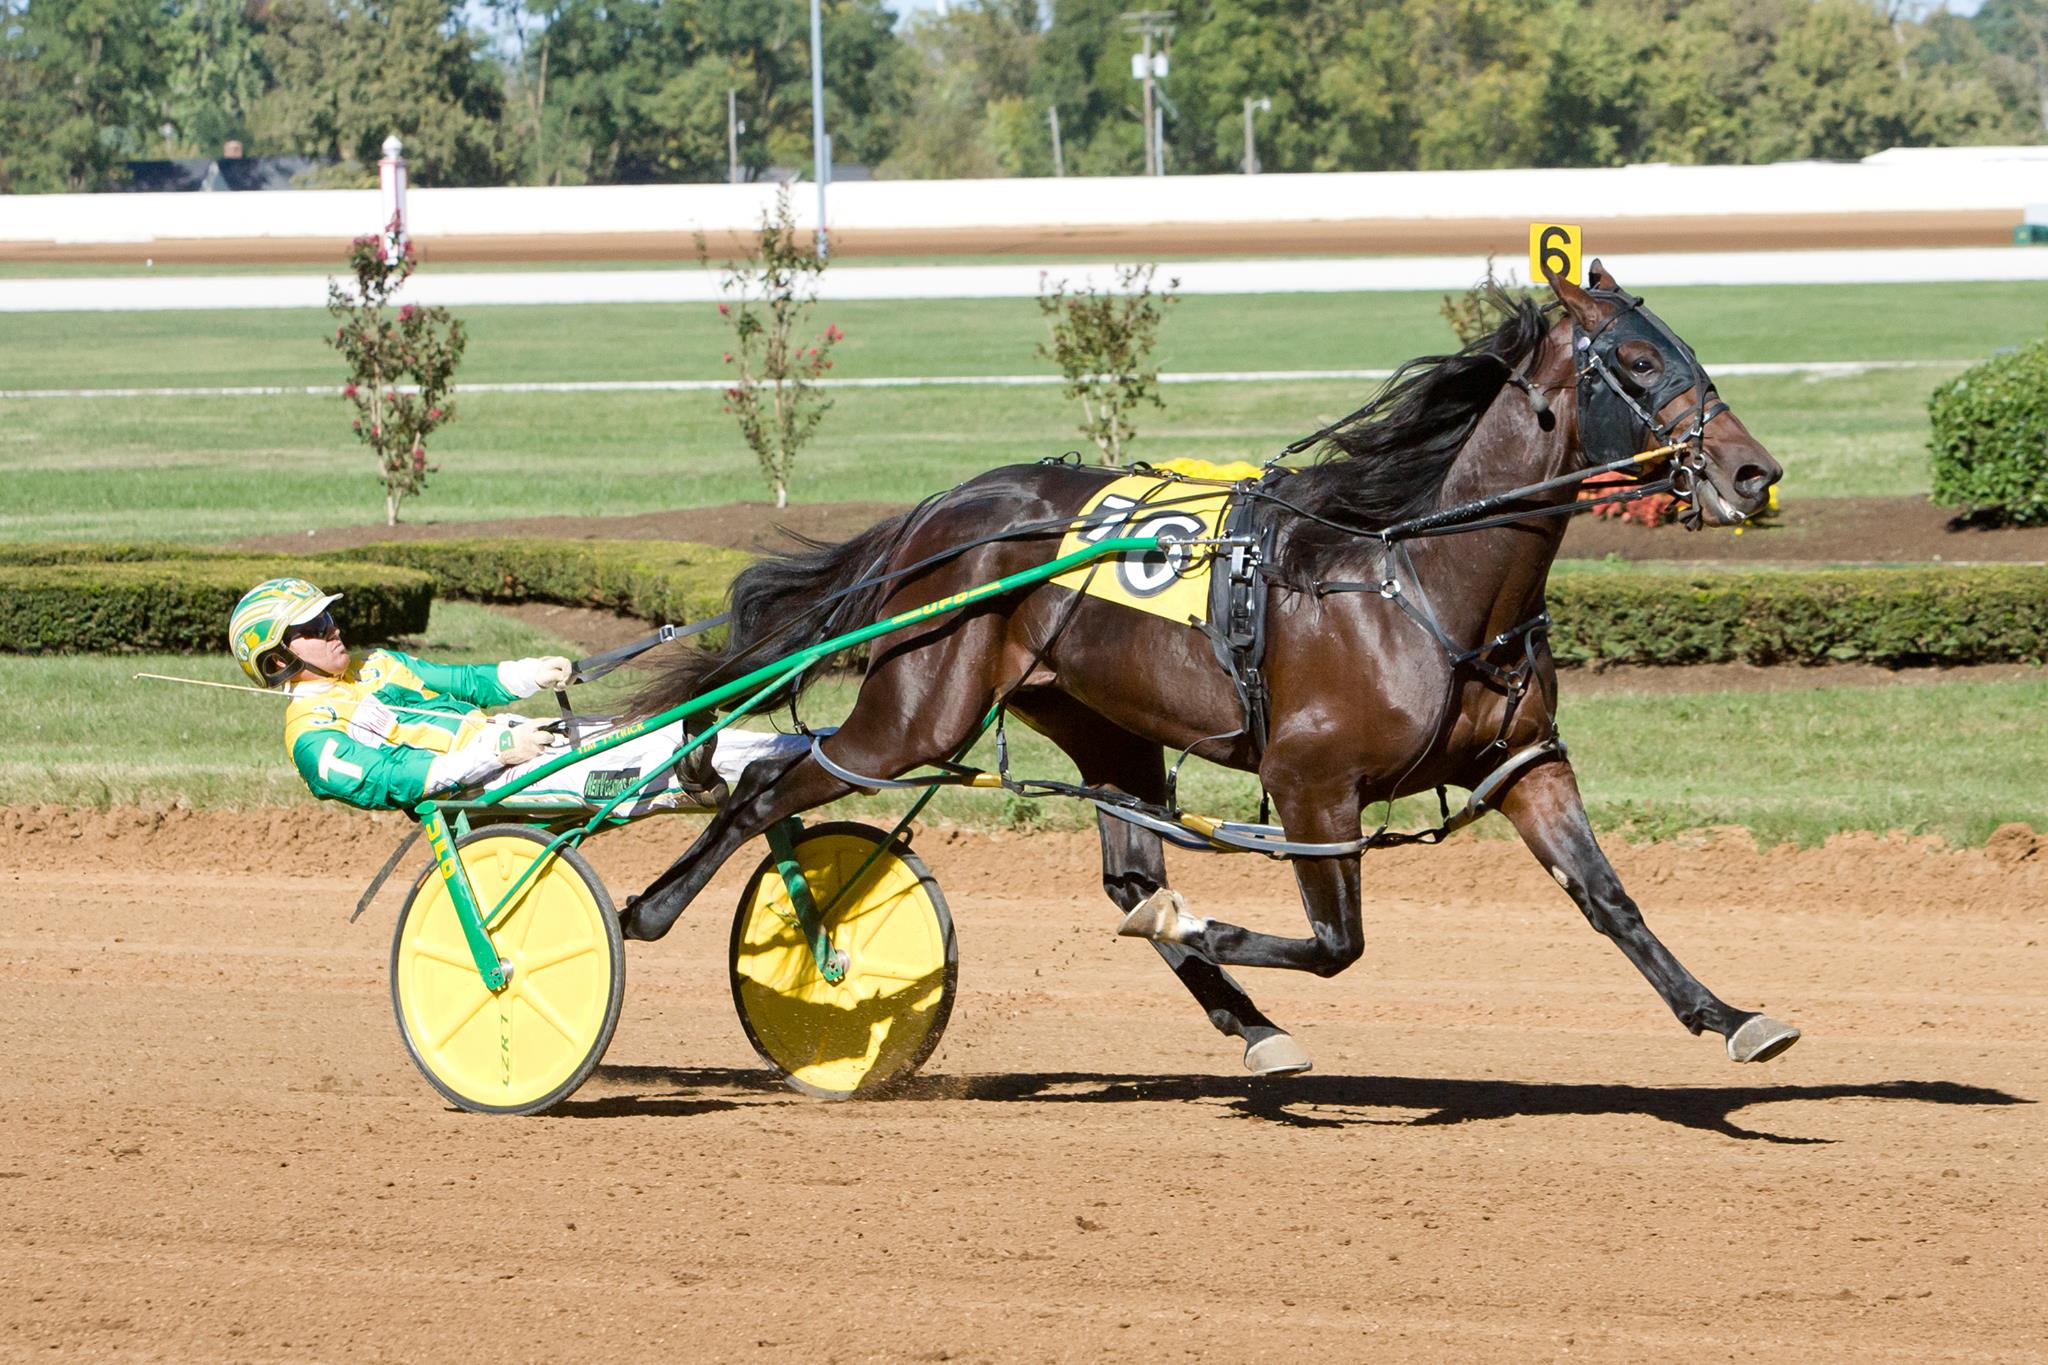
(1598,278)
(1585,310)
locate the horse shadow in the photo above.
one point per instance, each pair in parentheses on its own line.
(1306,1101)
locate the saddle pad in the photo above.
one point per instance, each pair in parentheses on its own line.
(1172,583)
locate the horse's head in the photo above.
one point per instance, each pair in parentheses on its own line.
(1641,388)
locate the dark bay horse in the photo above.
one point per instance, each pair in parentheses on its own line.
(1373,695)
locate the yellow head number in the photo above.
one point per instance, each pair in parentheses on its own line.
(1555,248)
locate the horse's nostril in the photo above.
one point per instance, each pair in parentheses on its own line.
(1750,481)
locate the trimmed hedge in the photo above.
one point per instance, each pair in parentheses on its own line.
(52,600)
(163,606)
(1989,444)
(1894,617)
(87,552)
(656,580)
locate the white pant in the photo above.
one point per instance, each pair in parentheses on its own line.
(602,776)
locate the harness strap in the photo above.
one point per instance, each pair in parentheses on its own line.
(597,665)
(952,774)
(1233,836)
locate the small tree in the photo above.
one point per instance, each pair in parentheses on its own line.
(1480,310)
(1102,341)
(401,367)
(774,394)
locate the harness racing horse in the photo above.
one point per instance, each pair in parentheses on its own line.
(1404,645)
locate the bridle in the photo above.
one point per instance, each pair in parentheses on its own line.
(1608,432)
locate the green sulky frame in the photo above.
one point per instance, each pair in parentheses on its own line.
(579,821)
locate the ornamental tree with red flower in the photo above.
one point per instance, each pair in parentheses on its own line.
(401,367)
(775,396)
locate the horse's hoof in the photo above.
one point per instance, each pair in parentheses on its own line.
(1277,1054)
(1161,916)
(1760,1038)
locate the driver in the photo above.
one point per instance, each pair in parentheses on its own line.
(391,730)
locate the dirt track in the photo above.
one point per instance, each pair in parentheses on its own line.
(212,1145)
(1336,235)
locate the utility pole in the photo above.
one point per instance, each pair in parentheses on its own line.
(1251,149)
(733,128)
(821,146)
(1148,66)
(1052,116)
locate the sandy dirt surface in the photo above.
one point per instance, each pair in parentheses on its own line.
(212,1145)
(1811,530)
(1336,235)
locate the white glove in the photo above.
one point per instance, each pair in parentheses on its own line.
(524,677)
(522,744)
(500,746)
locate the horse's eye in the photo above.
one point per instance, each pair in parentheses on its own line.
(1641,364)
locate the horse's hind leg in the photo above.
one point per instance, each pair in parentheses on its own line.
(902,719)
(1134,869)
(1546,809)
(1323,812)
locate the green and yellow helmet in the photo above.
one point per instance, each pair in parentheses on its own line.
(257,628)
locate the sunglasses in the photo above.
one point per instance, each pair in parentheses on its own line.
(319,628)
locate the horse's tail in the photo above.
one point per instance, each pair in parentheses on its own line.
(778,606)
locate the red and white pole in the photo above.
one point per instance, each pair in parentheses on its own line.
(391,180)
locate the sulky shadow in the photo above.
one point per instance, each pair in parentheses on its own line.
(1294,1101)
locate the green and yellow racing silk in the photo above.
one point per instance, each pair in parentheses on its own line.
(368,737)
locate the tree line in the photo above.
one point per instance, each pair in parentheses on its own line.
(570,92)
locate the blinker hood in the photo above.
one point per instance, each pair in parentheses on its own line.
(1617,411)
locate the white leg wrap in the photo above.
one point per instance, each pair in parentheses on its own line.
(1162,916)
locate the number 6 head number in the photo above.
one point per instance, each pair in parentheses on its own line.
(1554,249)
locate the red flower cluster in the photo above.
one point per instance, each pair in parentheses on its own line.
(1655,509)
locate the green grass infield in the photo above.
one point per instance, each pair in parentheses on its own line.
(213,468)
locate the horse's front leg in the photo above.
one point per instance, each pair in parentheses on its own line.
(1547,811)
(1326,813)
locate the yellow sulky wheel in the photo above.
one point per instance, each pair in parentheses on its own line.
(879,1023)
(530,1045)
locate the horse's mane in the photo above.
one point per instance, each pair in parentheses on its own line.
(1389,460)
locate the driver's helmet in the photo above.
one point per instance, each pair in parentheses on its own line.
(257,628)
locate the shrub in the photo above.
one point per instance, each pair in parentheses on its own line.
(1892,617)
(87,552)
(76,606)
(1989,447)
(657,580)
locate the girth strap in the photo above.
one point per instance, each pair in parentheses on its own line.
(1237,607)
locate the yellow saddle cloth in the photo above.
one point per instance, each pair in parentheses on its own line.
(1174,582)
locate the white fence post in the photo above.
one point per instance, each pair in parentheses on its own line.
(391,180)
